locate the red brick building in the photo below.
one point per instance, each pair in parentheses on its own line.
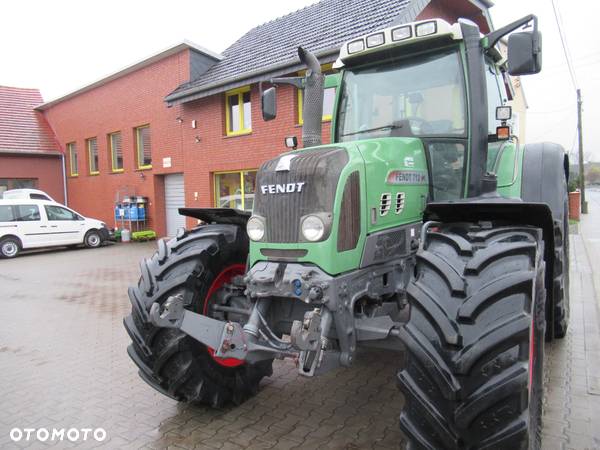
(184,126)
(30,157)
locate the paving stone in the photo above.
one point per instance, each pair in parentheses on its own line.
(63,362)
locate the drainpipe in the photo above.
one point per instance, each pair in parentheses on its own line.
(64,176)
(312,110)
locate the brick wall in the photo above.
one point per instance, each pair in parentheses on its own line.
(451,11)
(218,152)
(121,105)
(47,170)
(137,99)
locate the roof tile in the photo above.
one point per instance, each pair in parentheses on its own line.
(321,26)
(21,128)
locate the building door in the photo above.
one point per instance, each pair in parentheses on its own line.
(174,199)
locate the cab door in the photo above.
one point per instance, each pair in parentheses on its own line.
(64,226)
(31,225)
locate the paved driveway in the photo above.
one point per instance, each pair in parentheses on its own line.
(63,364)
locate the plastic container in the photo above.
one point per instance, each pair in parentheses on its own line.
(125,235)
(133,211)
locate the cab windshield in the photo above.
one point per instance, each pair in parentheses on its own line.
(422,96)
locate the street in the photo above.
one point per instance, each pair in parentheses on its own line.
(63,364)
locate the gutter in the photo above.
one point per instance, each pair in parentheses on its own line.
(29,152)
(173,98)
(64,176)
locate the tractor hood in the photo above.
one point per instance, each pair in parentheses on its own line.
(352,189)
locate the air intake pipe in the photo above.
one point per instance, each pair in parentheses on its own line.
(312,109)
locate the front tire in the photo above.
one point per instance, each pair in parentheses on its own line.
(195,265)
(475,340)
(92,239)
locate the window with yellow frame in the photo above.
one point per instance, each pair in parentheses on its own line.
(238,111)
(92,147)
(73,162)
(328,97)
(143,147)
(116,151)
(235,189)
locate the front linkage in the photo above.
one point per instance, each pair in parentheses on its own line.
(332,322)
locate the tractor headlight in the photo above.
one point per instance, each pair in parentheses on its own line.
(401,33)
(426,28)
(312,228)
(255,228)
(375,40)
(356,46)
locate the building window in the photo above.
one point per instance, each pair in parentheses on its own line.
(92,146)
(116,151)
(328,98)
(235,189)
(238,113)
(17,183)
(72,152)
(144,151)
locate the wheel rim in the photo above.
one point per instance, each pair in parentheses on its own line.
(93,240)
(224,277)
(9,249)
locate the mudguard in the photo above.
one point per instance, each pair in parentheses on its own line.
(498,209)
(226,216)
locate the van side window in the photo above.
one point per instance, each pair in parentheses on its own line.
(38,197)
(58,213)
(6,214)
(27,213)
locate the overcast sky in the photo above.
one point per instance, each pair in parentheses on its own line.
(59,46)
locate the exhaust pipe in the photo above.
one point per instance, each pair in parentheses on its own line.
(312,109)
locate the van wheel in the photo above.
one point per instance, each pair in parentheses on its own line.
(9,247)
(92,239)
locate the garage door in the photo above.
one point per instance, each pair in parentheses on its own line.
(174,199)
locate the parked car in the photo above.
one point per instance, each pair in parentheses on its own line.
(29,223)
(32,194)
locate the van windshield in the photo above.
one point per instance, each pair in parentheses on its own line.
(418,96)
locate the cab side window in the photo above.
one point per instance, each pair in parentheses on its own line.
(26,213)
(58,213)
(494,97)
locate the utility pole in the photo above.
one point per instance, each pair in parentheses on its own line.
(581,171)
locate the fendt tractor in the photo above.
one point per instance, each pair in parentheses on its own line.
(425,227)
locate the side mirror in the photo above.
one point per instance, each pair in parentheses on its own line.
(269,104)
(525,53)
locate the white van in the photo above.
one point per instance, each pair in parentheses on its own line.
(29,223)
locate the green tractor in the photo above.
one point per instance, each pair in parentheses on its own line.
(424,227)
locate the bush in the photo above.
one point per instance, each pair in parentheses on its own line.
(573,183)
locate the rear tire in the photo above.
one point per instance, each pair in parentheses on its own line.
(477,315)
(561,277)
(9,247)
(169,360)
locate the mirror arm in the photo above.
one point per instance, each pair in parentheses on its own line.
(294,81)
(495,36)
